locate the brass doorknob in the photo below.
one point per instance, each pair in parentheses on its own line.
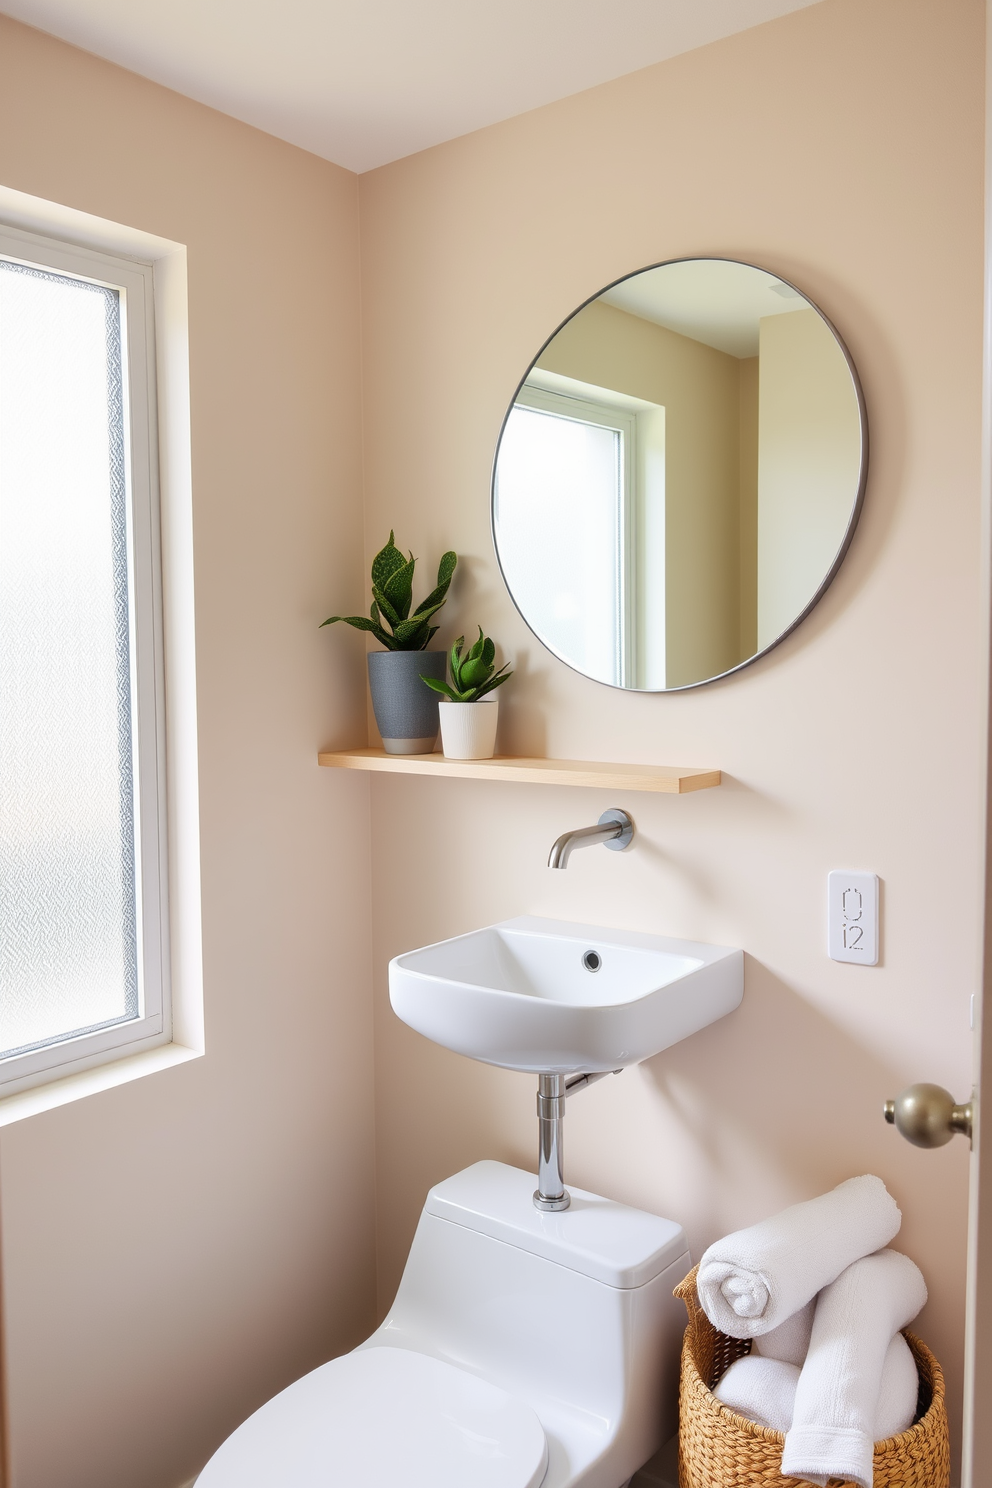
(927,1116)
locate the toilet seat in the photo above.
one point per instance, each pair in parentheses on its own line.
(385,1418)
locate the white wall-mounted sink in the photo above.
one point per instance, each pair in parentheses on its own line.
(554,997)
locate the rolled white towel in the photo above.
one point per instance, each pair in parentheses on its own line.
(896,1408)
(753,1280)
(839,1390)
(764,1391)
(790,1340)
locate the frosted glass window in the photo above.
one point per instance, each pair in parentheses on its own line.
(68,909)
(558,514)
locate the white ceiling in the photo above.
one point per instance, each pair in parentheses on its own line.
(363,82)
(712,300)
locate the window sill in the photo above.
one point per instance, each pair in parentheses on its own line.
(24,1103)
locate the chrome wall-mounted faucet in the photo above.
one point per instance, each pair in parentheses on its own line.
(614,830)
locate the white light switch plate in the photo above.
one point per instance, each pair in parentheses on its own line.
(852,917)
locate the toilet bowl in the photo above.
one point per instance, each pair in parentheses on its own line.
(523,1350)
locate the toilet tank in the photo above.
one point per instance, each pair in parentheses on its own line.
(572,1311)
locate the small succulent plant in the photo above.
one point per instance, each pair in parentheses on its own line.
(473,672)
(392,596)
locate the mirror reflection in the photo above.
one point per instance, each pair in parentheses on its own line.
(679,474)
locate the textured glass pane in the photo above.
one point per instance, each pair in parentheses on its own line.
(68,959)
(557,520)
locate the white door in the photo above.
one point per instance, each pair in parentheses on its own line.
(977,1443)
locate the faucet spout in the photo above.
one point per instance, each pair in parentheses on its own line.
(614,830)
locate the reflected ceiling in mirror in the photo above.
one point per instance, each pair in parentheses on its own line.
(679,475)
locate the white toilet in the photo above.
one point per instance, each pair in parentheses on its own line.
(523,1349)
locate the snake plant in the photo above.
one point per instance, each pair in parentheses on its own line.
(473,672)
(392,596)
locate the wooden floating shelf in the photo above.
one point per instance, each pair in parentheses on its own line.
(667,778)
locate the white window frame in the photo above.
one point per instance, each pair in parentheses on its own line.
(645,555)
(151,274)
(591,410)
(153,1025)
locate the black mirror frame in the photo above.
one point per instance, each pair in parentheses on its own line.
(855,510)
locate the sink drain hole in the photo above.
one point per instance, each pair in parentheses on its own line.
(592,960)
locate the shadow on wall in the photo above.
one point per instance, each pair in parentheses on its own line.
(805,1092)
(799,1111)
(825,1097)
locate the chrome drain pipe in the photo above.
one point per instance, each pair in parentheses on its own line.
(552,1092)
(551,1192)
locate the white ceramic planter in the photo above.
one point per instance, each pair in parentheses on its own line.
(468,730)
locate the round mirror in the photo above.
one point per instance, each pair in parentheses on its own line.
(679,475)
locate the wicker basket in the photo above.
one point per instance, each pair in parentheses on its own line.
(719,1449)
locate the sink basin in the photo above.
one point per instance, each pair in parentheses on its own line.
(559,998)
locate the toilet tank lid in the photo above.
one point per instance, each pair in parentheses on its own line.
(610,1242)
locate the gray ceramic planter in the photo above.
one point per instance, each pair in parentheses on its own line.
(405,707)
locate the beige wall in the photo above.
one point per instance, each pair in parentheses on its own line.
(699,389)
(177,1249)
(841,147)
(809,462)
(749,506)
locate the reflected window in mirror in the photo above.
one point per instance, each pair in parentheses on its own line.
(679,474)
(579,466)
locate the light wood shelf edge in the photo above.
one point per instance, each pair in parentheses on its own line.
(670,779)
